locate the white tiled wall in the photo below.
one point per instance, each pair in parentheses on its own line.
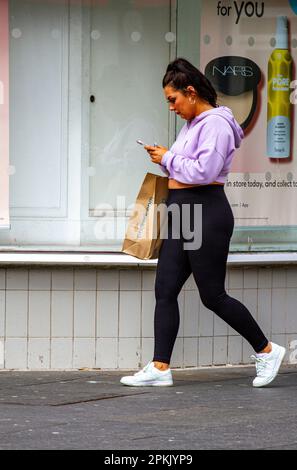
(103,318)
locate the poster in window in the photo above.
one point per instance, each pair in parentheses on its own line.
(249,53)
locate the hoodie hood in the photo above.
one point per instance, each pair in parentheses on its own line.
(226,114)
(204,148)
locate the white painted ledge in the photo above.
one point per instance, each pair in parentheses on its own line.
(123,260)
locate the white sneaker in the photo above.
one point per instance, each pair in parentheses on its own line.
(267,365)
(149,376)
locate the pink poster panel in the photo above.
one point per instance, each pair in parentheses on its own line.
(248,50)
(4,115)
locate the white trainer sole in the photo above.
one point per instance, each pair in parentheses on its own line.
(275,370)
(148,384)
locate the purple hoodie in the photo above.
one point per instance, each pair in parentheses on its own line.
(204,148)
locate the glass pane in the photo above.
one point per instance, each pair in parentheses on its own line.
(36,100)
(130,49)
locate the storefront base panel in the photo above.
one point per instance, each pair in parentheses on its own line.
(90,318)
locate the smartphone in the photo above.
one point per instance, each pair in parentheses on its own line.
(142,143)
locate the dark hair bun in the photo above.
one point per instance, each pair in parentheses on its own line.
(181,73)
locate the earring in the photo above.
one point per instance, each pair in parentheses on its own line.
(192,100)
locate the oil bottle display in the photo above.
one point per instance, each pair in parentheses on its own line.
(278,94)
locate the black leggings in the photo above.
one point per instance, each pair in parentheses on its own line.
(207,263)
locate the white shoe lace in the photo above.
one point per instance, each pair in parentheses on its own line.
(260,364)
(144,370)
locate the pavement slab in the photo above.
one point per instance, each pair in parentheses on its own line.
(207,408)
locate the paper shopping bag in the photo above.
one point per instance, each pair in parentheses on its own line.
(143,235)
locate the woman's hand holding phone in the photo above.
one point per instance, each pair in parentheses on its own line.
(155,151)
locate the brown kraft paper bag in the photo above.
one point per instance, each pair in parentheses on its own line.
(144,231)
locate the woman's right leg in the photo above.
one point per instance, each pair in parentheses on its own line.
(172,272)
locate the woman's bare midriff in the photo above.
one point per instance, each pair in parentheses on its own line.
(174,184)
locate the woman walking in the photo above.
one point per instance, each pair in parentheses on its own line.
(198,164)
